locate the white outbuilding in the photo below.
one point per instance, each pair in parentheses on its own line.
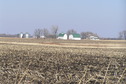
(93,38)
(42,37)
(75,37)
(62,36)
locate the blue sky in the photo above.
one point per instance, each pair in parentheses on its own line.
(104,17)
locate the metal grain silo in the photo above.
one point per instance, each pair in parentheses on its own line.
(21,35)
(26,35)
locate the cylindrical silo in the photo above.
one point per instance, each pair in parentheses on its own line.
(21,35)
(26,35)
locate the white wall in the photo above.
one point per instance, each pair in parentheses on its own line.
(71,37)
(65,36)
(76,38)
(42,36)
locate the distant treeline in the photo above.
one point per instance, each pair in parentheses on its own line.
(111,39)
(17,35)
(53,33)
(8,35)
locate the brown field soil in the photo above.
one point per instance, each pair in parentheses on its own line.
(49,61)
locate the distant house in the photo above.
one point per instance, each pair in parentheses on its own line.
(42,37)
(62,36)
(75,37)
(93,38)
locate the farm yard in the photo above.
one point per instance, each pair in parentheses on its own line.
(49,61)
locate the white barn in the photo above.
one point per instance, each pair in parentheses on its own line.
(62,36)
(75,37)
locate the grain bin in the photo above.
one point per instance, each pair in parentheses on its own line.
(21,35)
(26,35)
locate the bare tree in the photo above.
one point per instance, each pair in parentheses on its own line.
(88,34)
(54,31)
(71,31)
(84,35)
(38,33)
(122,35)
(45,32)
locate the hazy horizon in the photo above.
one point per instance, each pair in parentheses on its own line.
(104,17)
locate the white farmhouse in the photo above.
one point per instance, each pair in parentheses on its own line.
(75,37)
(62,36)
(42,37)
(93,38)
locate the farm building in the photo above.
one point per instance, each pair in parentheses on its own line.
(62,36)
(21,35)
(26,35)
(75,37)
(42,37)
(93,38)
